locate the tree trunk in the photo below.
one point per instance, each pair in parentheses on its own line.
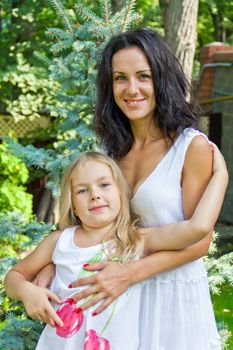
(48,208)
(219,28)
(180,20)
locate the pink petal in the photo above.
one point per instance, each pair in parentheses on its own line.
(94,342)
(72,318)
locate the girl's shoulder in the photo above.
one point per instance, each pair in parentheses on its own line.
(49,242)
(57,236)
(40,257)
(54,236)
(63,238)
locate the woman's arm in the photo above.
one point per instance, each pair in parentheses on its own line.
(18,282)
(114,279)
(45,276)
(182,234)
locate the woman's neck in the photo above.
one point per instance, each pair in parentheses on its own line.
(145,132)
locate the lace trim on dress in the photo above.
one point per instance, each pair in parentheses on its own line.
(176,280)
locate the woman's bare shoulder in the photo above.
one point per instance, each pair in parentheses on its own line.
(199,150)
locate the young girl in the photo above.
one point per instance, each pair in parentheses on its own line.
(95,225)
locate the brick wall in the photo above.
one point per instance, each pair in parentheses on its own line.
(211,53)
(217,81)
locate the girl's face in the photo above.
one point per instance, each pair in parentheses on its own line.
(95,195)
(133,87)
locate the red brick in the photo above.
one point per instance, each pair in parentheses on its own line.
(207,73)
(223,56)
(208,51)
(205,88)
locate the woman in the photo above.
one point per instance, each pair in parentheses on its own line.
(145,123)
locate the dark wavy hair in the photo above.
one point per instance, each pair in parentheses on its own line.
(172,113)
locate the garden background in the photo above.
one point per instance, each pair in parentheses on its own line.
(49,51)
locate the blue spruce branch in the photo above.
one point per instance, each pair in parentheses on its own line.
(61,11)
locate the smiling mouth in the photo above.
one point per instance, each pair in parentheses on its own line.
(98,208)
(133,103)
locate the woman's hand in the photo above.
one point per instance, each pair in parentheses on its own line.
(45,277)
(219,163)
(37,304)
(112,280)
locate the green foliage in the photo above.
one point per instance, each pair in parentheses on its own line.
(17,232)
(20,334)
(220,274)
(151,14)
(215,20)
(17,235)
(220,270)
(14,174)
(26,90)
(24,87)
(76,49)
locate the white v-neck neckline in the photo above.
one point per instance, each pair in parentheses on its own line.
(141,184)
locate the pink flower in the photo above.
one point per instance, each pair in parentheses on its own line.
(72,318)
(94,342)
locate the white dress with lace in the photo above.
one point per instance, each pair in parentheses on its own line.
(176,311)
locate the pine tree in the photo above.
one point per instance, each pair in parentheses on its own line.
(76,48)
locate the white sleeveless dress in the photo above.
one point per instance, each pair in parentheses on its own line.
(116,328)
(176,311)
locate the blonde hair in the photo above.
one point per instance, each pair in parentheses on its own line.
(125,241)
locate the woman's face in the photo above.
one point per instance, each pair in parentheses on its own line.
(133,87)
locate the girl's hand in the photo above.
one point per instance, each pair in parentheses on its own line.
(112,280)
(37,304)
(45,277)
(219,163)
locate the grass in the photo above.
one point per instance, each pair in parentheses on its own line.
(223,309)
(223,303)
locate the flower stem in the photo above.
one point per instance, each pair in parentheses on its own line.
(109,319)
